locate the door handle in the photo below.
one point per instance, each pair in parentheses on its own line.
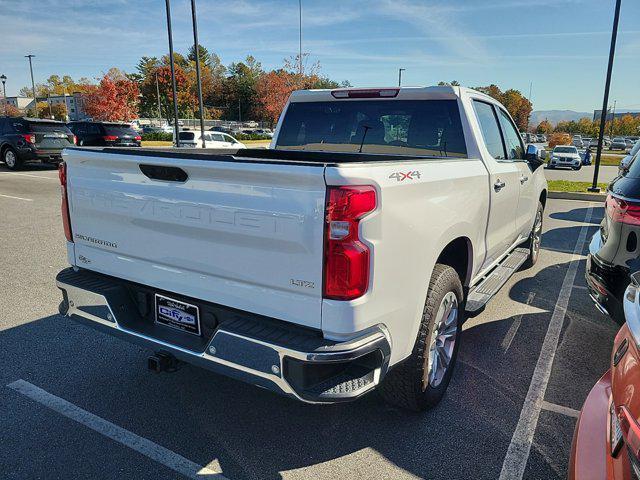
(523,180)
(499,185)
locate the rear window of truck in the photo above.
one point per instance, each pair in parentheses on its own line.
(392,127)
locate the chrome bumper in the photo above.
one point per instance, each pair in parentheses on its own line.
(347,370)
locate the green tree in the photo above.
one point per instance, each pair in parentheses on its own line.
(205,56)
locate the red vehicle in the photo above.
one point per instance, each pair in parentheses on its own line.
(606,441)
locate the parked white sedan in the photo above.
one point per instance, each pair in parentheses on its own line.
(193,139)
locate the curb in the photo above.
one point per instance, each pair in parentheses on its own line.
(587,197)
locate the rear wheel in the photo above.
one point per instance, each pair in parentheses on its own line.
(11,159)
(535,238)
(421,380)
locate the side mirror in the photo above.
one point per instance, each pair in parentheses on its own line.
(533,156)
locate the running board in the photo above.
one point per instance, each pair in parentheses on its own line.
(480,295)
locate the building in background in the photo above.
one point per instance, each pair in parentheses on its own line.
(597,113)
(73,103)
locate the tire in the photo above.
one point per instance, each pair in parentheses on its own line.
(413,385)
(577,168)
(11,159)
(535,238)
(551,167)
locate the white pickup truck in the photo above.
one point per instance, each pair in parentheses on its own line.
(343,258)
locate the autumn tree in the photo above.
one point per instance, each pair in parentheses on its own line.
(544,127)
(10,110)
(115,98)
(57,85)
(58,111)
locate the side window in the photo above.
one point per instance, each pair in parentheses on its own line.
(3,126)
(228,138)
(512,140)
(93,129)
(490,129)
(217,137)
(207,137)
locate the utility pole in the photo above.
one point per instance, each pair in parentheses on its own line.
(49,102)
(300,46)
(197,49)
(239,112)
(3,78)
(613,119)
(158,93)
(605,102)
(33,86)
(176,129)
(400,70)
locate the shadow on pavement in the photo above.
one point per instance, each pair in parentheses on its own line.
(579,215)
(252,433)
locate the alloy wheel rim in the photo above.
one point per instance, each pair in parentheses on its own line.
(537,234)
(10,159)
(442,341)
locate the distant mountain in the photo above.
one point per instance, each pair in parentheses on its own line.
(555,116)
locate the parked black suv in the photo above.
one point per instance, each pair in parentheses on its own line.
(32,140)
(614,251)
(105,134)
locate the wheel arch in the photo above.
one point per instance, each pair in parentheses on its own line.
(458,254)
(543,198)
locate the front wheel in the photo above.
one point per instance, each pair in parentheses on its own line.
(421,380)
(535,238)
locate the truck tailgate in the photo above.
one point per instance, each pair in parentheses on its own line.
(247,235)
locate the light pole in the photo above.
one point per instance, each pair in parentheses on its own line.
(605,102)
(173,75)
(613,119)
(33,85)
(158,93)
(3,78)
(400,70)
(300,45)
(197,48)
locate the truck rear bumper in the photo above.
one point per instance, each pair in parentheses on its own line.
(264,352)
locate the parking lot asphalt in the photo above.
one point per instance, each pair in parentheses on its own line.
(585,174)
(525,366)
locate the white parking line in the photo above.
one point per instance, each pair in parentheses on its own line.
(166,457)
(513,329)
(517,456)
(30,175)
(17,198)
(553,407)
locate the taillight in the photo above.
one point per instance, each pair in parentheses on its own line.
(622,211)
(138,138)
(66,220)
(29,137)
(346,257)
(630,430)
(110,138)
(75,140)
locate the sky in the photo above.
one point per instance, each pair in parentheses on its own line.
(559,46)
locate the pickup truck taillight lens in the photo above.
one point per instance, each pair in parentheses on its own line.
(346,257)
(29,138)
(622,211)
(66,220)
